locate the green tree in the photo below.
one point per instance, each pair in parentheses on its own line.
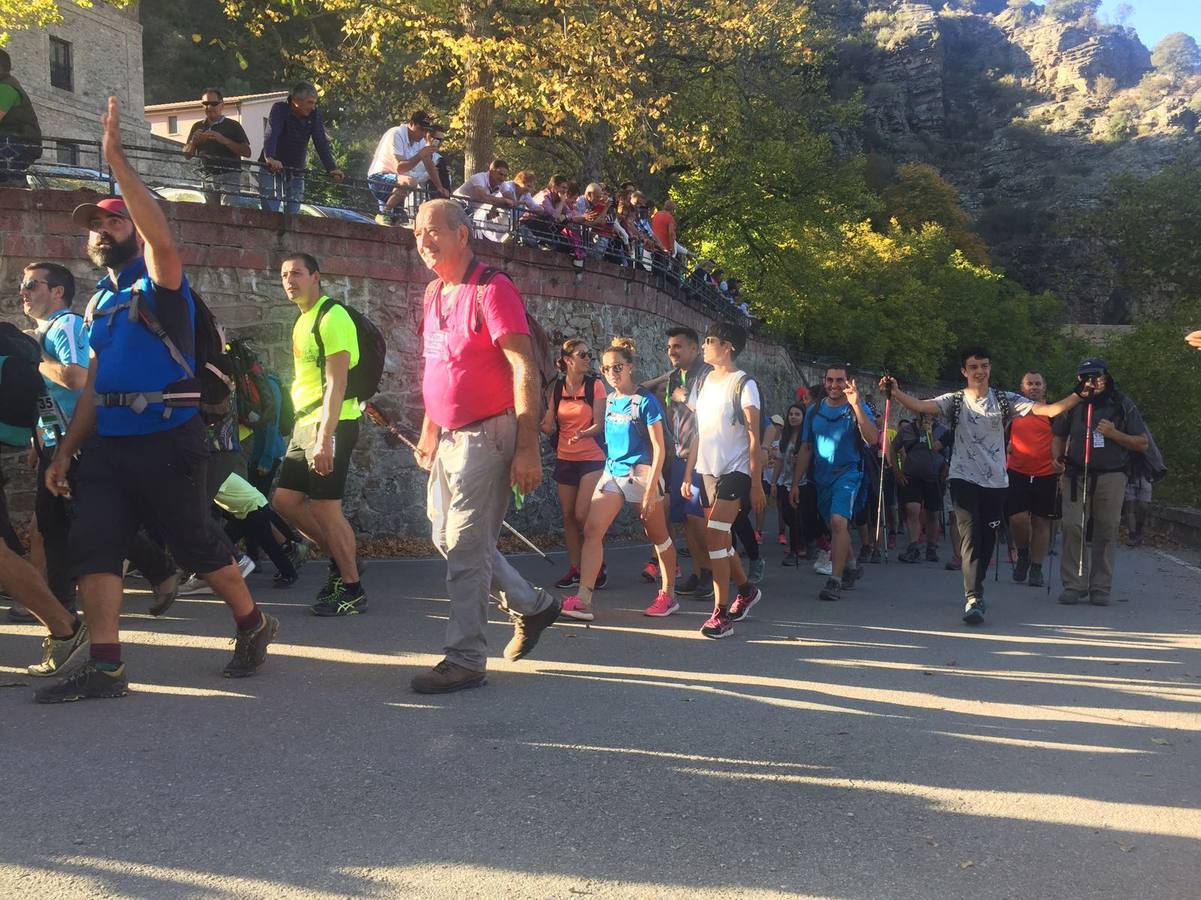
(1071,10)
(1177,55)
(920,195)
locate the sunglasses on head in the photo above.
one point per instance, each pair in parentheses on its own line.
(616,368)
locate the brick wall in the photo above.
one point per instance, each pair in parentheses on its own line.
(232,258)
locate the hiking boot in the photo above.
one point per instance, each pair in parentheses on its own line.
(849,577)
(87,683)
(704,586)
(165,593)
(790,559)
(1135,539)
(973,611)
(574,608)
(1035,579)
(686,587)
(832,591)
(718,625)
(650,572)
(954,564)
(299,552)
(663,606)
(911,554)
(603,578)
(755,571)
(1098,599)
(865,553)
(1021,568)
(874,557)
(1069,597)
(250,648)
(527,630)
(742,604)
(60,656)
(447,677)
(570,579)
(931,553)
(341,602)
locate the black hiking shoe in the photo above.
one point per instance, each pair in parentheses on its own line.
(165,593)
(250,648)
(1035,578)
(527,630)
(931,553)
(832,591)
(911,554)
(1022,567)
(973,611)
(87,683)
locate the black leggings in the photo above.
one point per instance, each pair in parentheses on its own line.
(979,513)
(790,517)
(256,530)
(743,531)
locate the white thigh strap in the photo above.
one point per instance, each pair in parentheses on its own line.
(722,553)
(664,547)
(719,526)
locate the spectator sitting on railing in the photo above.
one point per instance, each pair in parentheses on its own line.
(291,125)
(405,160)
(490,204)
(220,143)
(20,133)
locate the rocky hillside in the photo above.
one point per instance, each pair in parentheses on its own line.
(1028,116)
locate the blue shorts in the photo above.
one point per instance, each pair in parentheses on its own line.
(680,508)
(382,184)
(843,496)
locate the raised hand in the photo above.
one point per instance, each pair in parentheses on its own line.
(851,392)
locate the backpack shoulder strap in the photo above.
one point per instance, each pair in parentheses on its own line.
(326,305)
(557,388)
(1006,408)
(738,414)
(486,275)
(956,408)
(142,311)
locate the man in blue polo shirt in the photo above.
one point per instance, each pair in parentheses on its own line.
(144,447)
(836,429)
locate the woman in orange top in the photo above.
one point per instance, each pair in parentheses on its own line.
(575,415)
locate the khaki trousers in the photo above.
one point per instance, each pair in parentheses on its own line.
(1106,490)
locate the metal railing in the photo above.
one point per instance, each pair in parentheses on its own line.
(69,164)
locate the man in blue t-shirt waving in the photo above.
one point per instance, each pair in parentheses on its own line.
(836,429)
(143,447)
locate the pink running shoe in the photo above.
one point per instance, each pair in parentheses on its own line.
(574,608)
(782,541)
(663,606)
(718,626)
(742,604)
(650,572)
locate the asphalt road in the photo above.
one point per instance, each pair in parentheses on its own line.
(875,747)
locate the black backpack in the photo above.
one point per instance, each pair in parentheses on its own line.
(21,385)
(1149,464)
(363,381)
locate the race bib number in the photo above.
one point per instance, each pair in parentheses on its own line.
(436,346)
(1098,440)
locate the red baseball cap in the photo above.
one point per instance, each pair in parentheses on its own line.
(109,206)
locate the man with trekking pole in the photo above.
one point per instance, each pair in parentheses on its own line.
(1096,442)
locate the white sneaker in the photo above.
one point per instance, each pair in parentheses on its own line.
(246,565)
(193,586)
(823,566)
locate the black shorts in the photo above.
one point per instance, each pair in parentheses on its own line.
(927,493)
(1034,494)
(568,472)
(295,474)
(731,486)
(158,480)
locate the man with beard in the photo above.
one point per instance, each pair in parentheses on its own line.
(1117,432)
(144,446)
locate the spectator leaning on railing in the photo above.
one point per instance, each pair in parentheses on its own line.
(486,192)
(291,125)
(405,160)
(220,143)
(20,134)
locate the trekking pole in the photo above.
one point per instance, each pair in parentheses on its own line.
(1054,522)
(376,415)
(1088,447)
(883,463)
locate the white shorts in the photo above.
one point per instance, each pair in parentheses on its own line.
(632,487)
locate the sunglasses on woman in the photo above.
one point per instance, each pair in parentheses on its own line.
(616,368)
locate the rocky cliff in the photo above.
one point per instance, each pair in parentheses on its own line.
(1029,117)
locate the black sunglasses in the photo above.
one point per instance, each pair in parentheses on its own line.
(616,368)
(32,284)
(211,102)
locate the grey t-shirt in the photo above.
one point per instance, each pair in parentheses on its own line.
(978,455)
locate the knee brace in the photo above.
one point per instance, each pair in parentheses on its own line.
(721,554)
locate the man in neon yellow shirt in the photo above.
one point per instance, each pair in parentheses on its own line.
(312,478)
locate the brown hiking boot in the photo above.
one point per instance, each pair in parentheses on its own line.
(527,630)
(447,677)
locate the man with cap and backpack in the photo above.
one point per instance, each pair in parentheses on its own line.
(142,445)
(1102,443)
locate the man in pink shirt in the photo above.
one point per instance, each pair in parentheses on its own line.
(479,438)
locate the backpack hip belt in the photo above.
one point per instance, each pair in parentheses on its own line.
(140,400)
